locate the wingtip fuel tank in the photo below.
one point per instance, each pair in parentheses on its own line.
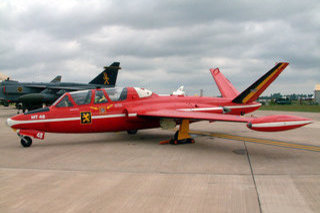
(276,123)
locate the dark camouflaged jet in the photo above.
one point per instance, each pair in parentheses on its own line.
(29,96)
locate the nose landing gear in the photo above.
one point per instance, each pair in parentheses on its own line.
(25,141)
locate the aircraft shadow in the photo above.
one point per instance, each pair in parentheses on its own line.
(153,139)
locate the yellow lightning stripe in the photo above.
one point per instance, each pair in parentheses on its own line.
(260,141)
(247,98)
(105,78)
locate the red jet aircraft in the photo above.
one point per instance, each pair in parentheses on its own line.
(131,108)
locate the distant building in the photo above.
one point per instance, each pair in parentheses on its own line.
(317,94)
(3,77)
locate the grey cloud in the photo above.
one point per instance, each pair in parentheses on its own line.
(162,44)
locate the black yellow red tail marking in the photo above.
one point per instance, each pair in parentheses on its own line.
(255,90)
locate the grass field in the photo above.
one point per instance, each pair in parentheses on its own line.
(293,107)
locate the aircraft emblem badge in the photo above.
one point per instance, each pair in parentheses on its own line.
(85,117)
(105,78)
(19,89)
(102,109)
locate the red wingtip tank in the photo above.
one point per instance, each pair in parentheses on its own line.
(276,123)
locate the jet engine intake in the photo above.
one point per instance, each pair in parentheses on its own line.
(166,123)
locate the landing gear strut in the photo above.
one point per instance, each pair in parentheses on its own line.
(25,141)
(176,141)
(182,135)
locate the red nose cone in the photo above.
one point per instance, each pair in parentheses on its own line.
(277,123)
(14,121)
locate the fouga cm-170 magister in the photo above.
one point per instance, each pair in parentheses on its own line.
(131,108)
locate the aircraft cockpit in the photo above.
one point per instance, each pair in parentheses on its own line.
(97,96)
(100,96)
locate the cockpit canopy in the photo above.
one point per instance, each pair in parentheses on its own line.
(99,96)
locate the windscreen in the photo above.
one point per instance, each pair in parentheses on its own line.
(64,102)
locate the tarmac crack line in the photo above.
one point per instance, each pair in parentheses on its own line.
(120,171)
(252,175)
(148,172)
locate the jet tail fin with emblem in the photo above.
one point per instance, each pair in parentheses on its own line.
(56,79)
(253,92)
(108,76)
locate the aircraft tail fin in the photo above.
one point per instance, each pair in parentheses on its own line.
(227,90)
(253,92)
(56,79)
(108,76)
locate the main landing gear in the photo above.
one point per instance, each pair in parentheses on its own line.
(181,136)
(25,141)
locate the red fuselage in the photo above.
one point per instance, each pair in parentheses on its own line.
(120,115)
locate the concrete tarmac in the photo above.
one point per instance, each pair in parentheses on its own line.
(116,172)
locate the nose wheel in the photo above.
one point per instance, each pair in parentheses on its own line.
(25,141)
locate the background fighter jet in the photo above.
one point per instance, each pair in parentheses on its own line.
(33,95)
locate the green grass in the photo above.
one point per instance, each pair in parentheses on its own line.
(293,107)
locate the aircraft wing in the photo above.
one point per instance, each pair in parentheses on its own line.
(69,88)
(171,113)
(41,86)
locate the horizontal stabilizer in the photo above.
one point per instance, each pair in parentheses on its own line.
(253,92)
(227,90)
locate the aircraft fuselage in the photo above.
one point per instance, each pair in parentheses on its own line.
(121,115)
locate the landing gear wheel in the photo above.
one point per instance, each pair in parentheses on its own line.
(190,140)
(132,132)
(175,140)
(26,141)
(175,137)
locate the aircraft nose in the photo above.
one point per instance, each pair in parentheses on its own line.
(10,122)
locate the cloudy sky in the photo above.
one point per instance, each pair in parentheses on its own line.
(163,44)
